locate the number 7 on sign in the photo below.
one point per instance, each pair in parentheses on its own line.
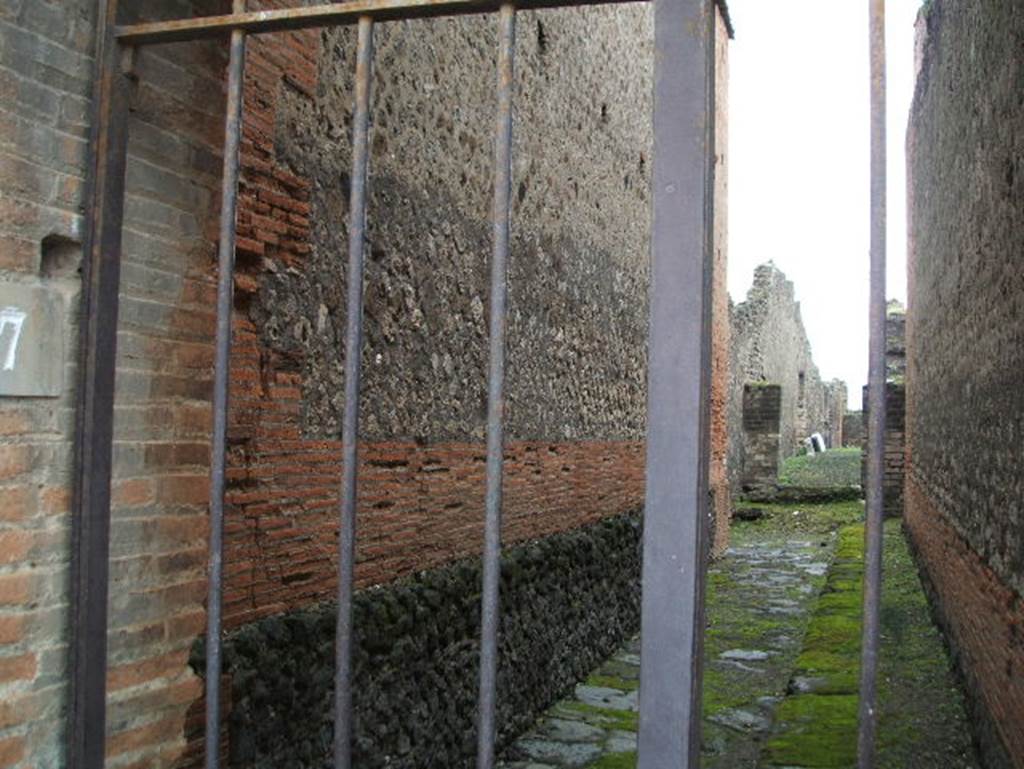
(15,318)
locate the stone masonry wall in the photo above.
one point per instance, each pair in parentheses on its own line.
(162,416)
(965,349)
(568,601)
(769,345)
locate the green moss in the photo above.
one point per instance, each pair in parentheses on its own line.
(836,467)
(615,761)
(626,720)
(812,518)
(816,731)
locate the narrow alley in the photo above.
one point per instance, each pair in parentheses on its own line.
(782,653)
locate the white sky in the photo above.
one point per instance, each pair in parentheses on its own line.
(799,148)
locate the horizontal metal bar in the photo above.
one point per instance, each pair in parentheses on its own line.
(257,22)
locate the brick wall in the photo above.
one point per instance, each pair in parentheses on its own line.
(769,344)
(762,413)
(721,333)
(162,420)
(965,488)
(894,462)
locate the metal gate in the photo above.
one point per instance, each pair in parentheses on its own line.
(678,378)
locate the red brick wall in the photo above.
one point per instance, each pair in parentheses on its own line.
(718,481)
(162,414)
(983,618)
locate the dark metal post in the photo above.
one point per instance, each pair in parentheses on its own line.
(876,399)
(350,426)
(94,433)
(218,459)
(675,517)
(486,733)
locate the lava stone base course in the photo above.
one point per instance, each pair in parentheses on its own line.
(567,603)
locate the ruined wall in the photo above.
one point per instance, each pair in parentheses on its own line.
(163,384)
(769,345)
(965,350)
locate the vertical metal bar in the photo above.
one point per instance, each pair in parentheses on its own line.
(94,434)
(487,703)
(350,426)
(876,398)
(675,519)
(218,460)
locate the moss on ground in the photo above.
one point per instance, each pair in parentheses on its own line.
(836,467)
(626,720)
(818,728)
(922,722)
(616,761)
(785,519)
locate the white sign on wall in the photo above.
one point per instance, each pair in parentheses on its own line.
(31,341)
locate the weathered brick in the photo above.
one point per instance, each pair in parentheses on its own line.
(21,667)
(12,751)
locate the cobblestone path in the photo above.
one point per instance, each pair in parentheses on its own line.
(765,702)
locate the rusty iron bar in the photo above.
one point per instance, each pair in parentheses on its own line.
(500,222)
(259,22)
(94,434)
(222,371)
(868,717)
(675,516)
(353,370)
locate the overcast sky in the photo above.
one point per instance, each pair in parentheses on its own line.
(799,152)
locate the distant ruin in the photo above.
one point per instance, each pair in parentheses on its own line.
(777,396)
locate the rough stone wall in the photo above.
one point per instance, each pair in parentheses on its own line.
(162,413)
(577,323)
(577,297)
(965,328)
(568,601)
(769,345)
